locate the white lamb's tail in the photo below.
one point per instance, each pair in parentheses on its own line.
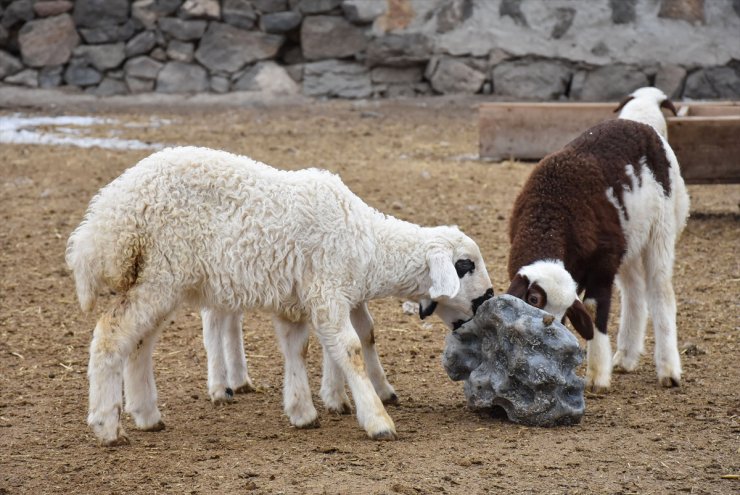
(86,266)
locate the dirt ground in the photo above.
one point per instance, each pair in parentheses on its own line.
(416,161)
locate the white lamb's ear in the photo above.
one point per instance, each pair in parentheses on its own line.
(445,281)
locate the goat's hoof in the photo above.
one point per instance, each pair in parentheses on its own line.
(310,425)
(392,400)
(597,389)
(342,409)
(158,426)
(670,382)
(119,441)
(247,388)
(385,436)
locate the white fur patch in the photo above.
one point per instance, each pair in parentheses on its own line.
(557,283)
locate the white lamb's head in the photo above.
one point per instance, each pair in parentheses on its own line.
(457,278)
(643,105)
(547,285)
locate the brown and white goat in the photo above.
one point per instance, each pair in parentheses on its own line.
(608,206)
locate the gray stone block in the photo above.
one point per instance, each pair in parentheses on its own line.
(28,78)
(518,358)
(220,84)
(94,13)
(141,44)
(452,76)
(399,50)
(110,33)
(48,41)
(531,80)
(179,77)
(623,11)
(267,77)
(313,7)
(9,65)
(269,6)
(609,83)
(324,36)
(80,73)
(102,57)
(670,79)
(239,13)
(396,75)
(110,87)
(181,29)
(17,12)
(50,77)
(147,12)
(180,51)
(201,9)
(142,67)
(280,22)
(713,83)
(362,11)
(454,14)
(52,7)
(139,85)
(335,78)
(225,48)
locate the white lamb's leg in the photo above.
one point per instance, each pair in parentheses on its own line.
(633,318)
(333,393)
(236,361)
(135,316)
(140,391)
(342,343)
(598,368)
(362,321)
(297,402)
(215,327)
(662,305)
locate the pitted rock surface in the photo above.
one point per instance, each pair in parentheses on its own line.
(521,359)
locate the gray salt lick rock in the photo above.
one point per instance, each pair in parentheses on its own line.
(519,358)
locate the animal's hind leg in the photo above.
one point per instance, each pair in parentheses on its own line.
(297,402)
(236,361)
(633,318)
(133,318)
(662,306)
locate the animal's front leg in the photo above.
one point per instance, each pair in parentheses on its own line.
(362,321)
(599,352)
(343,345)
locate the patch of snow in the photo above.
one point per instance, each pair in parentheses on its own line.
(67,130)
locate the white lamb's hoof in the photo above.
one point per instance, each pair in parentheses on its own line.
(336,403)
(119,441)
(669,382)
(246,388)
(107,428)
(669,370)
(381,428)
(391,399)
(624,363)
(597,385)
(308,418)
(342,409)
(221,395)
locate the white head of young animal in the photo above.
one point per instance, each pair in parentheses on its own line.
(458,279)
(643,105)
(547,285)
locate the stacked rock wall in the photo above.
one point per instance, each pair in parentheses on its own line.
(512,49)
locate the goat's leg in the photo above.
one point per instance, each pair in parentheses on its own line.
(633,318)
(140,390)
(343,345)
(333,393)
(599,353)
(362,321)
(133,318)
(297,402)
(662,306)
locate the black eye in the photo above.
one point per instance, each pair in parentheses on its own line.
(534,299)
(464,266)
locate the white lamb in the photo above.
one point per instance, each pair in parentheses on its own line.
(230,234)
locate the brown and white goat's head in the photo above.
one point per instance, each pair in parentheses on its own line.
(457,279)
(547,285)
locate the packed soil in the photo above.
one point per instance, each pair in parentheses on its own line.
(415,160)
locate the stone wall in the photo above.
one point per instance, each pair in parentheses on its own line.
(513,49)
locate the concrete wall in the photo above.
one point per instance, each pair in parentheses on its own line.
(512,49)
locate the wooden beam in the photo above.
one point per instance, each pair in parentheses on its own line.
(705,135)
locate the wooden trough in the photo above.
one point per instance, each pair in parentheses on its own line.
(704,135)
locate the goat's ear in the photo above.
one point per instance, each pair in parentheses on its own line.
(518,287)
(445,281)
(622,103)
(426,307)
(669,105)
(581,320)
